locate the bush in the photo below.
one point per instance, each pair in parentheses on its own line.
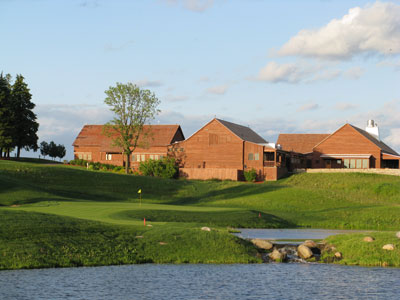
(251,175)
(164,168)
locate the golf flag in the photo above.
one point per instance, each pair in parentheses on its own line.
(139,191)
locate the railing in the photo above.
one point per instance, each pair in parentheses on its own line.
(269,164)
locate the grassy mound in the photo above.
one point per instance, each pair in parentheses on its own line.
(357,252)
(234,218)
(33,240)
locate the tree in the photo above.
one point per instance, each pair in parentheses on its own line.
(61,151)
(24,122)
(133,108)
(6,115)
(53,150)
(44,148)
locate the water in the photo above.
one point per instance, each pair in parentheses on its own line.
(258,281)
(291,234)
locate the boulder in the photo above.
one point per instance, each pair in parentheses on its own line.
(368,239)
(262,244)
(338,254)
(304,252)
(398,234)
(389,247)
(206,228)
(277,256)
(310,244)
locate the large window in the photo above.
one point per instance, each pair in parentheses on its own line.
(108,156)
(250,156)
(365,164)
(256,156)
(346,163)
(269,156)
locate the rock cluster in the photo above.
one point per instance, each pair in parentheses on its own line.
(262,244)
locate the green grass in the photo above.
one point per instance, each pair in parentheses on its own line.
(84,199)
(357,252)
(34,240)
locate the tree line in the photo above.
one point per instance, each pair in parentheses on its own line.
(18,126)
(52,149)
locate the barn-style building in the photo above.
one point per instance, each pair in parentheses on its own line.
(348,147)
(224,150)
(93,145)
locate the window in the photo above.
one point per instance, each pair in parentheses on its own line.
(359,164)
(256,156)
(161,156)
(89,156)
(250,156)
(352,163)
(346,163)
(84,156)
(143,157)
(269,156)
(339,161)
(151,156)
(138,157)
(80,156)
(108,156)
(156,157)
(133,157)
(365,163)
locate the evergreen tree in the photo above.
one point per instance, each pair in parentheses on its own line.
(24,122)
(6,115)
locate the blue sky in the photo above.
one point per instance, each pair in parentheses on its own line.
(277,66)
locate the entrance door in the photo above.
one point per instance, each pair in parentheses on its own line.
(328,163)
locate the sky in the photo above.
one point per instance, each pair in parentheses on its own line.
(276,66)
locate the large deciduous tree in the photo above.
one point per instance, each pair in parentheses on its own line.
(24,119)
(133,108)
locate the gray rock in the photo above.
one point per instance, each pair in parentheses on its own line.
(277,256)
(304,252)
(368,239)
(310,244)
(389,247)
(262,244)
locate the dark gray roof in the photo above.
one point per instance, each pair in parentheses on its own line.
(243,132)
(385,148)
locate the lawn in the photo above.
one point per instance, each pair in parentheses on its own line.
(102,210)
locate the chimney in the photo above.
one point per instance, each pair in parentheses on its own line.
(372,129)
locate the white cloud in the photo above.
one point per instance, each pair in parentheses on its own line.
(275,72)
(374,29)
(390,63)
(217,90)
(308,107)
(354,73)
(172,98)
(343,106)
(192,5)
(393,139)
(148,83)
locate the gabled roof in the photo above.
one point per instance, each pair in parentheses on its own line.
(158,135)
(243,132)
(385,148)
(300,143)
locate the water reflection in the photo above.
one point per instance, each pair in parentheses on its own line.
(260,281)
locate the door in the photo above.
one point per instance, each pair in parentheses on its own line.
(328,163)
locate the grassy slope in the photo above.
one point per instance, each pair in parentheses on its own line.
(357,252)
(177,208)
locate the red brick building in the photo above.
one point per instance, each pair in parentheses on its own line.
(348,147)
(224,150)
(93,145)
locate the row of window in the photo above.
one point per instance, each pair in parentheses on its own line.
(254,156)
(142,157)
(84,156)
(356,163)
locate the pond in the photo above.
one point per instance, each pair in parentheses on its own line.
(257,281)
(290,235)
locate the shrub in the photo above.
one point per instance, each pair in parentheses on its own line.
(164,168)
(250,175)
